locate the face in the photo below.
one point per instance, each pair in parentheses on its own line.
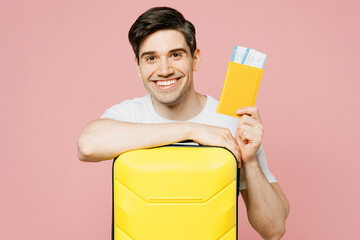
(166,66)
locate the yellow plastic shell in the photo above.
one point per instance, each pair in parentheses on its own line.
(240,88)
(175,193)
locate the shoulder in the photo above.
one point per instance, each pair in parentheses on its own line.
(128,110)
(212,101)
(131,104)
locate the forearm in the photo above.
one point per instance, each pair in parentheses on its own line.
(267,206)
(105,139)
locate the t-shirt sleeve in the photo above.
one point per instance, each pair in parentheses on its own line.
(123,111)
(264,167)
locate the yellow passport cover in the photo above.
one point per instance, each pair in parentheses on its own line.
(240,88)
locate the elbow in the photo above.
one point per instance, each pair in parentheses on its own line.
(277,235)
(84,157)
(275,232)
(85,149)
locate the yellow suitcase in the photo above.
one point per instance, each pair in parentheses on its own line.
(175,192)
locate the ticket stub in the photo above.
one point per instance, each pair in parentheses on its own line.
(248,56)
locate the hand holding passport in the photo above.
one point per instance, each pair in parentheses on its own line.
(242,80)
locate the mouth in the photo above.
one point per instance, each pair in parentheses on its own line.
(167,83)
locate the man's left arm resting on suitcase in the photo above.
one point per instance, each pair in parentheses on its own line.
(266,204)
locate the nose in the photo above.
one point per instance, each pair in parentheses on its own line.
(165,69)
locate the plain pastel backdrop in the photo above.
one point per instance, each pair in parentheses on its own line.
(62,63)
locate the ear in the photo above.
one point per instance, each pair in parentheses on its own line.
(138,68)
(197,59)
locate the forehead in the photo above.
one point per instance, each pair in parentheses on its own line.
(163,41)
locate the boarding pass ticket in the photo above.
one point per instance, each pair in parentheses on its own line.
(248,56)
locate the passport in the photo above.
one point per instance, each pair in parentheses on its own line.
(241,84)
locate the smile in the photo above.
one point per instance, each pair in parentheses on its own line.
(166,83)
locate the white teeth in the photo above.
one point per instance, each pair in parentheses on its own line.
(165,83)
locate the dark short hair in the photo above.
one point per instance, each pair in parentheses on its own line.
(161,18)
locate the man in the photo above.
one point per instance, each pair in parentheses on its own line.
(166,56)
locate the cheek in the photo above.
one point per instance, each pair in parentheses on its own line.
(145,73)
(184,67)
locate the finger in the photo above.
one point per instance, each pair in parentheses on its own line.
(239,142)
(236,151)
(243,128)
(251,111)
(233,147)
(245,119)
(258,129)
(239,163)
(248,135)
(251,124)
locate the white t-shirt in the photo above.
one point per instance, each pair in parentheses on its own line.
(141,110)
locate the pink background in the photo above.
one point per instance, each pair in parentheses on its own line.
(62,63)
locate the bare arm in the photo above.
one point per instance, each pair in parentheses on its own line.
(266,204)
(105,139)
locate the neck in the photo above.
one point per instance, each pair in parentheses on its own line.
(187,108)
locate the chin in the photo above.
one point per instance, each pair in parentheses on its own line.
(168,100)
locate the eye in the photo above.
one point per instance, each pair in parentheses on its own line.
(176,55)
(150,59)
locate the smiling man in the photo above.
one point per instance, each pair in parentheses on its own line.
(166,55)
(166,65)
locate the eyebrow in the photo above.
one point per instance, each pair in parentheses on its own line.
(178,50)
(171,51)
(147,53)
